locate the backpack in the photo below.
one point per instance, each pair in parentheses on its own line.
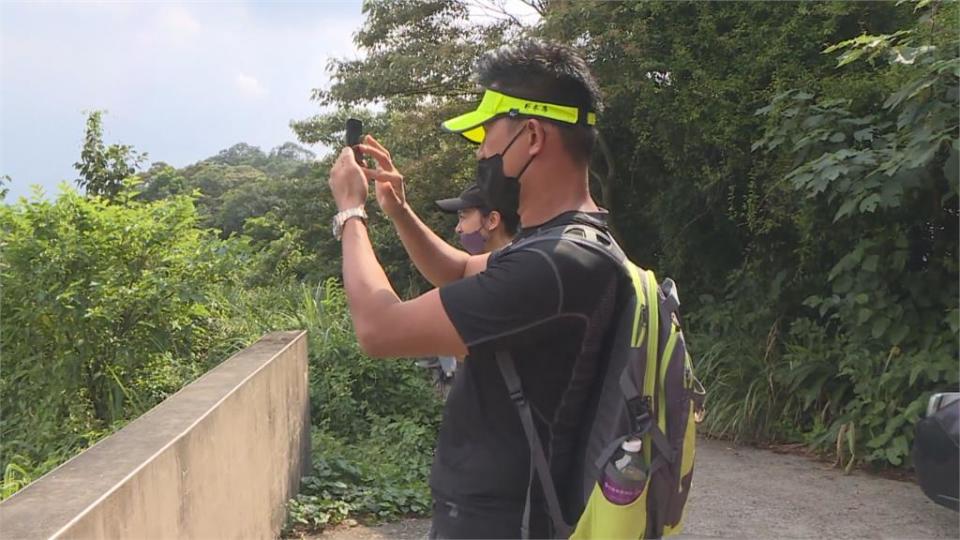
(647,389)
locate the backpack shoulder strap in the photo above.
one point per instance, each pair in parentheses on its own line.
(538,460)
(586,234)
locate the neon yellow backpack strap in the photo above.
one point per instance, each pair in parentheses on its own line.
(653,380)
(639,331)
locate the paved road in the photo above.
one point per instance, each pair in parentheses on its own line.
(741,492)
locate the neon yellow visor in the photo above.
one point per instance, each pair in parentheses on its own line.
(494,104)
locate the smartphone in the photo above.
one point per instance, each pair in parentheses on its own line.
(354,132)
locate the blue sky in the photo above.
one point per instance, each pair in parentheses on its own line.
(178,81)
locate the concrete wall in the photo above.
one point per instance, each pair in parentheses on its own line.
(219,459)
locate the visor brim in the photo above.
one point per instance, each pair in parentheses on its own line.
(469,125)
(451,206)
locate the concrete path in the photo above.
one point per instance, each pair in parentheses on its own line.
(741,492)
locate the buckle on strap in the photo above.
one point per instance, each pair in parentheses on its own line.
(517,396)
(639,409)
(640,414)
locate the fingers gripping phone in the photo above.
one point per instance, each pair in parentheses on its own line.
(354,132)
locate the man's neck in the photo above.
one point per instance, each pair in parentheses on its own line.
(556,197)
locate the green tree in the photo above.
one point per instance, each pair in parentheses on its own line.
(103,169)
(161,181)
(240,154)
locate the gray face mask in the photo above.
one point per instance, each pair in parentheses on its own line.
(473,242)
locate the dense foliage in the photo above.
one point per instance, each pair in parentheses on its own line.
(884,164)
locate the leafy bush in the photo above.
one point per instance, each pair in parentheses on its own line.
(350,392)
(111,306)
(876,250)
(383,476)
(375,423)
(107,308)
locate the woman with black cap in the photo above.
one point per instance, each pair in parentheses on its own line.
(481,229)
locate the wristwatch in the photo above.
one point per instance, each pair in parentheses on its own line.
(341,218)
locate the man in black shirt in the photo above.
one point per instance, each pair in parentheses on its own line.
(549,303)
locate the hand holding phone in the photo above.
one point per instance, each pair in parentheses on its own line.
(354,132)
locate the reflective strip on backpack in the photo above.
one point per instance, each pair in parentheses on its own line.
(653,337)
(667,357)
(638,330)
(651,380)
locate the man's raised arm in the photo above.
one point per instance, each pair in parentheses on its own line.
(385,325)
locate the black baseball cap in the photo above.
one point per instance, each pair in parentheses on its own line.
(470,198)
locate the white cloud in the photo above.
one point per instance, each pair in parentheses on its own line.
(178,21)
(249,86)
(171,25)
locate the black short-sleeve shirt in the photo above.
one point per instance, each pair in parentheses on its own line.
(550,303)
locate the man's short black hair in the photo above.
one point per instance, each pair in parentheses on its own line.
(549,72)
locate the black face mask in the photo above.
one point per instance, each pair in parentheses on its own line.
(499,191)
